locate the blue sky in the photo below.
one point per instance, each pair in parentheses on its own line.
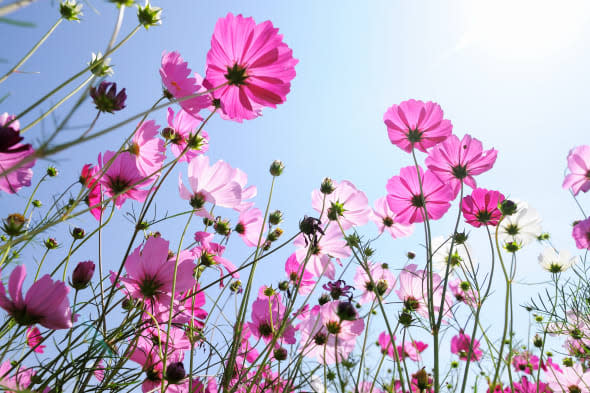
(517,82)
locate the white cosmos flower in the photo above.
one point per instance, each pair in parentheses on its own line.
(553,262)
(440,254)
(522,227)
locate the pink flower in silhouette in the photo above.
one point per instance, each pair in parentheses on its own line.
(416,124)
(214,184)
(148,149)
(385,219)
(45,303)
(122,179)
(34,339)
(182,130)
(455,161)
(12,152)
(268,313)
(482,207)
(407,201)
(251,63)
(581,234)
(460,346)
(176,77)
(346,204)
(578,162)
(249,226)
(381,281)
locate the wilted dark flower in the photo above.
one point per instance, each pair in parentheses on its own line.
(108,100)
(338,289)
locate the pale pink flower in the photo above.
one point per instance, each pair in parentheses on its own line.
(416,124)
(122,179)
(20,381)
(482,207)
(382,282)
(411,349)
(368,387)
(581,234)
(407,201)
(195,300)
(268,313)
(578,162)
(346,204)
(249,226)
(251,63)
(329,246)
(460,346)
(176,77)
(34,339)
(209,254)
(461,292)
(183,126)
(12,152)
(214,184)
(248,192)
(148,149)
(45,303)
(298,276)
(385,219)
(572,379)
(413,291)
(525,362)
(455,161)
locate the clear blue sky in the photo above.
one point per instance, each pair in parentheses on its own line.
(517,82)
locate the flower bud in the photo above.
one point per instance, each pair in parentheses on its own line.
(353,240)
(422,379)
(543,236)
(52,171)
(274,235)
(276,217)
(37,203)
(568,362)
(99,66)
(149,16)
(324,298)
(283,285)
(460,237)
(106,98)
(507,207)
(280,354)
(82,275)
(236,286)
(121,3)
(276,168)
(128,304)
(411,255)
(70,10)
(269,291)
(346,311)
(512,246)
(175,372)
(78,233)
(405,318)
(222,227)
(14,224)
(538,341)
(327,186)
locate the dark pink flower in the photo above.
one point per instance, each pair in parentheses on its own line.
(581,234)
(251,63)
(578,162)
(460,346)
(416,124)
(385,219)
(482,207)
(407,201)
(182,130)
(46,302)
(176,77)
(455,161)
(525,386)
(122,179)
(34,339)
(525,362)
(12,152)
(268,313)
(94,198)
(298,276)
(148,149)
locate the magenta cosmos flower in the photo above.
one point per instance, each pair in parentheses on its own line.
(34,339)
(46,302)
(385,219)
(455,161)
(251,63)
(482,207)
(581,234)
(578,162)
(148,149)
(460,346)
(12,152)
(122,179)
(346,204)
(298,276)
(182,130)
(407,202)
(416,124)
(268,313)
(411,349)
(214,184)
(176,77)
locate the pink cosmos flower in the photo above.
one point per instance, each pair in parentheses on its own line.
(411,349)
(99,370)
(416,124)
(34,339)
(249,226)
(455,161)
(182,129)
(195,300)
(12,152)
(468,296)
(46,302)
(94,198)
(214,184)
(148,149)
(251,63)
(525,362)
(525,386)
(268,313)
(382,283)
(482,207)
(331,245)
(209,254)
(346,204)
(460,346)
(248,192)
(578,162)
(122,179)
(385,219)
(572,379)
(581,234)
(407,202)
(150,272)
(299,276)
(412,291)
(20,381)
(328,337)
(368,387)
(176,77)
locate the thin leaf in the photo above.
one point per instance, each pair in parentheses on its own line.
(18,23)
